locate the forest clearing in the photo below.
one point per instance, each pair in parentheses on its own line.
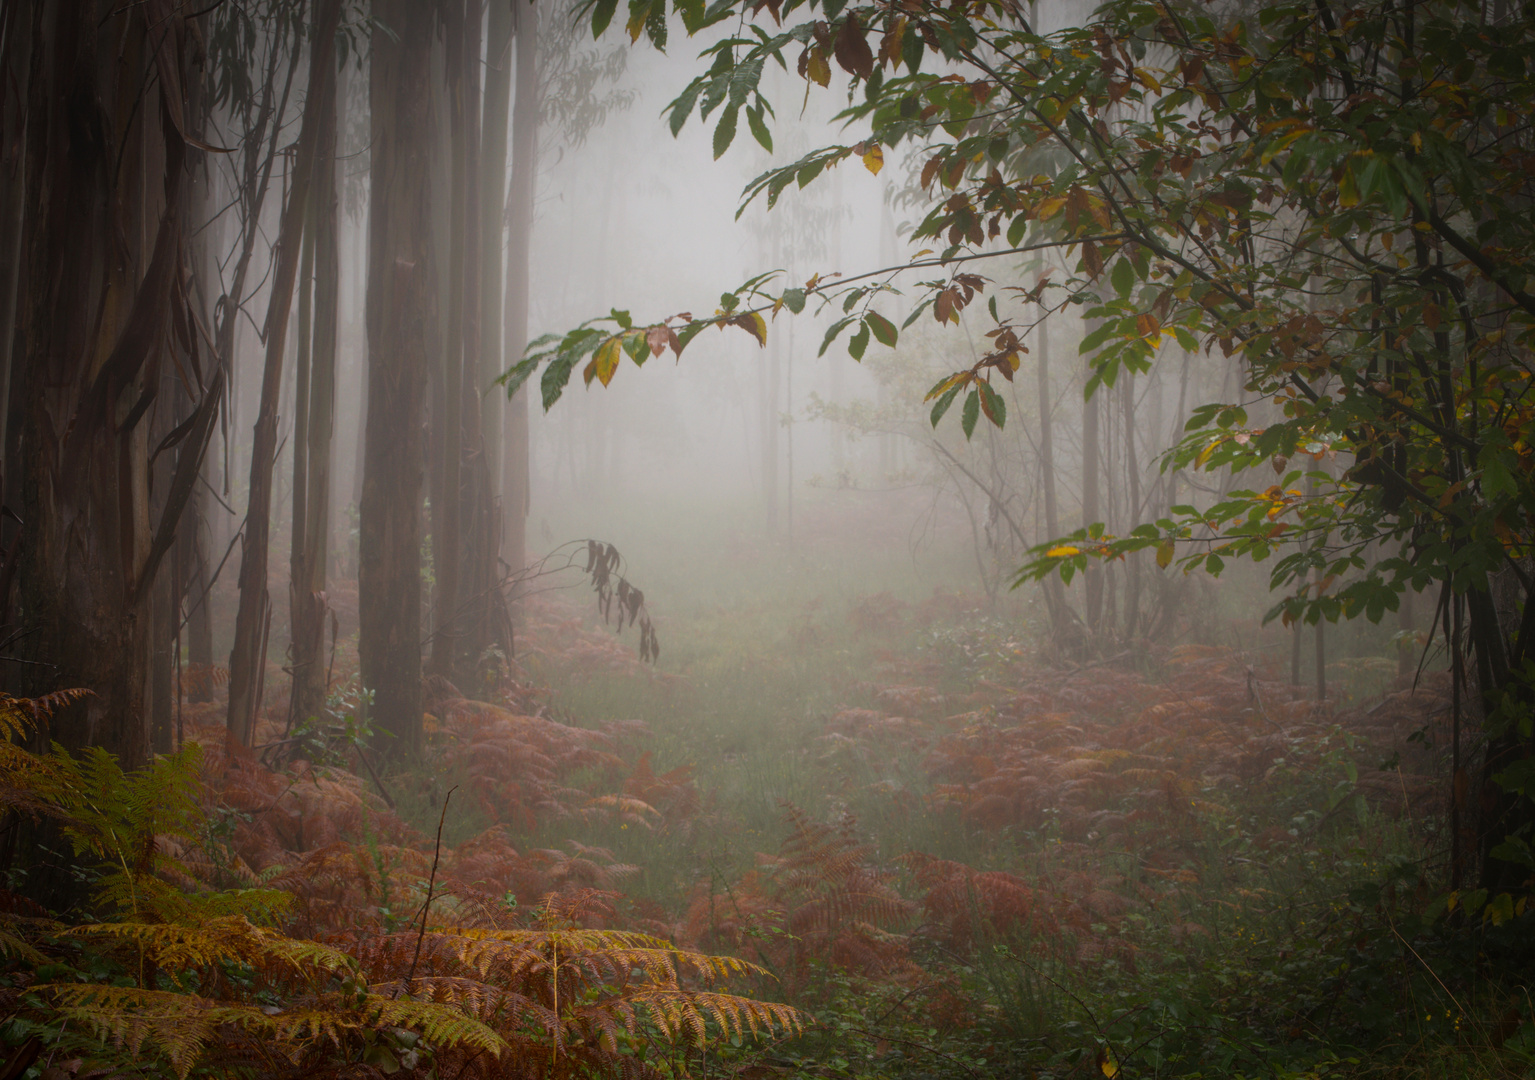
(1120,663)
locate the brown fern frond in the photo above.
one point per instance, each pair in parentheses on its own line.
(21,717)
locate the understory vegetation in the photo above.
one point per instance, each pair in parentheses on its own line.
(843,833)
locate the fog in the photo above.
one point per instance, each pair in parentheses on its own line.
(484,594)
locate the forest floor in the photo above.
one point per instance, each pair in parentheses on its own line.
(957,853)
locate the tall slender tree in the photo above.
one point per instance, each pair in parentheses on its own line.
(253,618)
(519,214)
(401,307)
(314,424)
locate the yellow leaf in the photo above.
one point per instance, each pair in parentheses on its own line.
(1062,551)
(1204,455)
(606,359)
(874,159)
(817,69)
(1348,189)
(1106,1063)
(1165,553)
(1050,207)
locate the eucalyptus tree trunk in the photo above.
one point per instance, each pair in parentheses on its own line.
(519,213)
(314,424)
(253,617)
(15,63)
(101,314)
(481,610)
(445,506)
(493,147)
(401,310)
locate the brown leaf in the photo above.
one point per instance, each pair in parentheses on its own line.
(1091,259)
(852,49)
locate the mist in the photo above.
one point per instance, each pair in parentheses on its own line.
(807,540)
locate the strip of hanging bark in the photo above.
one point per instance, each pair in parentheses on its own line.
(188,465)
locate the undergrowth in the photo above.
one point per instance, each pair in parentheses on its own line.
(835,835)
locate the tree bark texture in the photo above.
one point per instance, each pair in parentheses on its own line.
(100,288)
(315,425)
(493,149)
(401,307)
(518,268)
(445,504)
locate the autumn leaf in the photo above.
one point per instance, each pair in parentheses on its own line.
(658,338)
(1091,259)
(605,360)
(884,330)
(1062,551)
(816,69)
(754,324)
(874,158)
(1165,552)
(852,50)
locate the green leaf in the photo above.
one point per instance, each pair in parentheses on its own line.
(602,14)
(941,406)
(993,405)
(725,131)
(682,108)
(884,330)
(831,334)
(971,413)
(655,27)
(859,342)
(1098,337)
(794,300)
(1123,277)
(518,375)
(688,333)
(759,129)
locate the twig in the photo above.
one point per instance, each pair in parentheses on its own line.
(362,757)
(431,882)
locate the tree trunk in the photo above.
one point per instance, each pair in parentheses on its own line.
(493,147)
(1055,595)
(1091,509)
(314,424)
(253,616)
(518,269)
(481,611)
(101,255)
(445,517)
(1133,562)
(402,300)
